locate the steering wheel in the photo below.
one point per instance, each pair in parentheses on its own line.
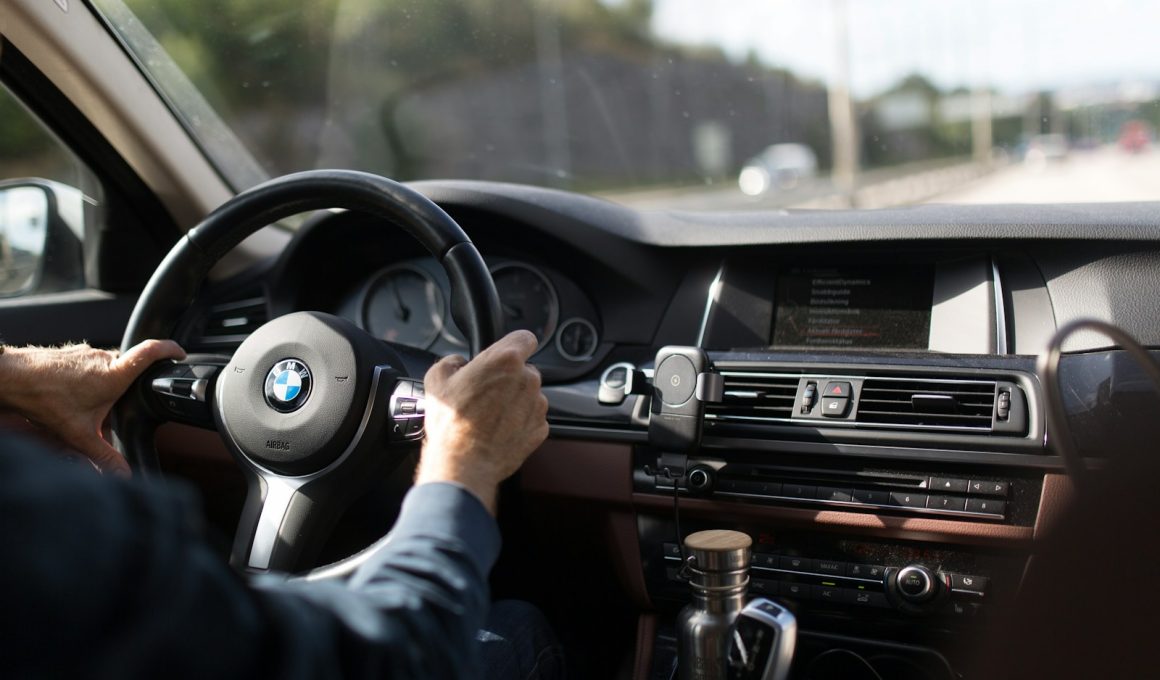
(311,406)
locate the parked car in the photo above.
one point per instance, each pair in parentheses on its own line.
(779,166)
(1046,149)
(1135,136)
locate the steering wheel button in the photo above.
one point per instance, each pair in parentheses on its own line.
(405,407)
(414,428)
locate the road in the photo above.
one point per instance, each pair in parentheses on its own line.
(881,187)
(1102,175)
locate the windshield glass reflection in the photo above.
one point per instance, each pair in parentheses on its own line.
(683,104)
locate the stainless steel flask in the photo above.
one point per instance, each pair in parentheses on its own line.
(718,569)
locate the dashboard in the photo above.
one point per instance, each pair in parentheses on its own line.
(880,407)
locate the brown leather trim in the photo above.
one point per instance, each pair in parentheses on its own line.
(598,473)
(593,471)
(885,526)
(624,547)
(1057,495)
(646,632)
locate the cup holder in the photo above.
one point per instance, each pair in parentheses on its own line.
(835,657)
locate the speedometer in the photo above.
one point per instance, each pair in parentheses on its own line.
(403,304)
(528,300)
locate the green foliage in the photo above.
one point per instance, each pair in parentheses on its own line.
(27,149)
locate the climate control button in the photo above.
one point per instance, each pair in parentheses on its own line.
(916,584)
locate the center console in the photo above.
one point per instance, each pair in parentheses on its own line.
(878,443)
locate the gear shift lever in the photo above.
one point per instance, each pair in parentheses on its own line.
(764,636)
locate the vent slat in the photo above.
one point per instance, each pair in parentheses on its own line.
(757,396)
(976,394)
(927,403)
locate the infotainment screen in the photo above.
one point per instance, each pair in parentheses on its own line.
(856,307)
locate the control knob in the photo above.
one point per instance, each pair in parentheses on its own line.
(916,584)
(700,480)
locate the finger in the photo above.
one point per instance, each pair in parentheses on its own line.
(107,459)
(532,377)
(522,344)
(444,369)
(141,356)
(539,434)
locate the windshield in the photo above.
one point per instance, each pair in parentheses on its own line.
(682,104)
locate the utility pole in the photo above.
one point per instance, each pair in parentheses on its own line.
(553,105)
(982,134)
(843,126)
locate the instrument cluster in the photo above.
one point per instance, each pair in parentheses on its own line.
(409,303)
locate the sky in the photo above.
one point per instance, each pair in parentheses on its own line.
(1016,45)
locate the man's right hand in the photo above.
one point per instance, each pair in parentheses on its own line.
(484,417)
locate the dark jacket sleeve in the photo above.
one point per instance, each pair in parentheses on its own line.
(108,578)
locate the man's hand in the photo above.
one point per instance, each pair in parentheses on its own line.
(484,417)
(69,391)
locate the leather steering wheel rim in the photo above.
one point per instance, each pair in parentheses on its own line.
(178,279)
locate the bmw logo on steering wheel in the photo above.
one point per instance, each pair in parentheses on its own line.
(288,385)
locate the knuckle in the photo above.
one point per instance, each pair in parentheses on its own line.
(509,359)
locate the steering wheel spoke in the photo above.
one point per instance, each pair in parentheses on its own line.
(287,518)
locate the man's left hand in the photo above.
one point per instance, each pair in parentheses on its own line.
(70,390)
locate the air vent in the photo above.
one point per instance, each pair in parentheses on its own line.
(949,404)
(230,322)
(751,396)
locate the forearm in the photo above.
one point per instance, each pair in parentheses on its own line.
(464,471)
(147,592)
(415,607)
(18,366)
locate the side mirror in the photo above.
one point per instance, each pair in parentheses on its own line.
(41,231)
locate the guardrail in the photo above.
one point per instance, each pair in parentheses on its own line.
(902,185)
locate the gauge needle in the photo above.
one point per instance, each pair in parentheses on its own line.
(402,311)
(512,312)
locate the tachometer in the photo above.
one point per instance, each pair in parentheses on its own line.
(528,299)
(403,304)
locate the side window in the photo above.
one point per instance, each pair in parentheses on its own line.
(47,198)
